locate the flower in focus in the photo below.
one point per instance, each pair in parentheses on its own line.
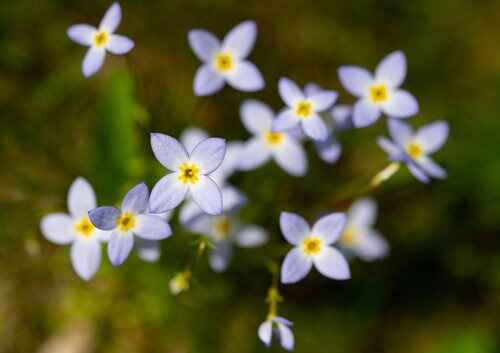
(225,62)
(100,40)
(379,93)
(280,327)
(413,149)
(265,144)
(189,173)
(76,229)
(359,237)
(313,246)
(132,219)
(302,109)
(149,250)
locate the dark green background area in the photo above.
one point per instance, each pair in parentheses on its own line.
(437,292)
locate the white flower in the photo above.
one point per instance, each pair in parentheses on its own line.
(379,93)
(359,236)
(147,249)
(303,109)
(413,149)
(100,40)
(76,229)
(133,219)
(281,329)
(312,246)
(189,173)
(265,144)
(226,61)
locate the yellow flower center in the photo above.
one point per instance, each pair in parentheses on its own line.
(126,222)
(101,38)
(84,227)
(303,109)
(189,173)
(274,139)
(349,237)
(379,93)
(414,150)
(223,62)
(221,227)
(311,245)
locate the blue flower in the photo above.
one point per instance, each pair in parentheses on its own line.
(131,219)
(413,149)
(281,329)
(380,93)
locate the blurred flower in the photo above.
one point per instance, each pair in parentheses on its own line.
(100,40)
(379,93)
(76,229)
(303,109)
(281,329)
(342,117)
(329,150)
(180,282)
(359,236)
(149,250)
(190,173)
(413,149)
(281,146)
(313,247)
(133,218)
(225,62)
(226,231)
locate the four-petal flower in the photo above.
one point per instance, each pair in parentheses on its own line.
(413,149)
(379,93)
(76,229)
(132,219)
(100,40)
(226,61)
(313,246)
(303,108)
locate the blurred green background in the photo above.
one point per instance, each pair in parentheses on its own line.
(437,292)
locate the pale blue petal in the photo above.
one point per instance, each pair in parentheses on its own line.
(192,136)
(293,227)
(364,113)
(432,136)
(355,80)
(265,332)
(290,156)
(256,116)
(207,195)
(58,228)
(341,115)
(329,150)
(400,132)
(289,91)
(332,264)
(285,120)
(104,217)
(119,247)
(363,212)
(189,211)
(119,44)
(432,168)
(371,246)
(167,194)
(286,337)
(251,236)
(152,227)
(136,200)
(395,152)
(81,197)
(401,105)
(207,81)
(111,18)
(93,60)
(86,258)
(232,198)
(209,154)
(245,77)
(330,227)
(392,69)
(254,154)
(295,266)
(417,172)
(204,44)
(148,250)
(82,34)
(315,128)
(168,151)
(240,40)
(323,100)
(220,257)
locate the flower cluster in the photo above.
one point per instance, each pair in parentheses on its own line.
(199,167)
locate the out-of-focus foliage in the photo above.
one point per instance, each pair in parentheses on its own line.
(439,290)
